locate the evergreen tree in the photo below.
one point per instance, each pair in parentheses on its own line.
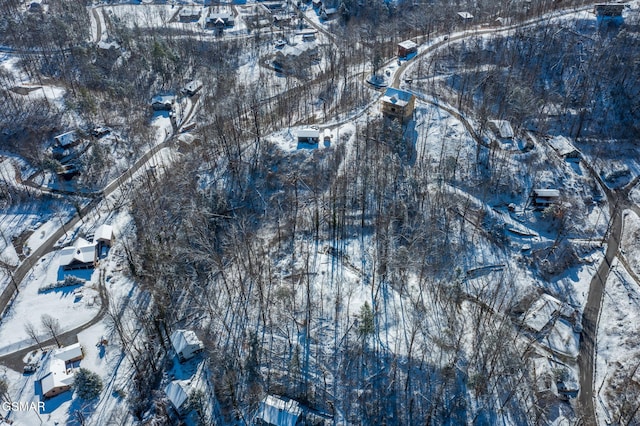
(87,384)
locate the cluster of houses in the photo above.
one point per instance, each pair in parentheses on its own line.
(84,254)
(273,410)
(68,146)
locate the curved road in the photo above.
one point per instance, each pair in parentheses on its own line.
(617,200)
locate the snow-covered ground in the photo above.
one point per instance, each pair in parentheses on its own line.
(61,303)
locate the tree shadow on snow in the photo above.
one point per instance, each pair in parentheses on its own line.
(80,410)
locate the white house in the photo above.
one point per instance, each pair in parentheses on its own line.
(104,235)
(57,372)
(279,411)
(82,255)
(186,344)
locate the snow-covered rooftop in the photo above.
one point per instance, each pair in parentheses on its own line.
(397,97)
(546,193)
(541,312)
(308,133)
(82,252)
(408,44)
(67,139)
(178,392)
(182,339)
(54,373)
(103,233)
(562,145)
(281,411)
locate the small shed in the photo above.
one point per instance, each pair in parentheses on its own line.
(406,48)
(186,344)
(465,16)
(311,136)
(104,235)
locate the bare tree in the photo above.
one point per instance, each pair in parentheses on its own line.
(32,332)
(52,326)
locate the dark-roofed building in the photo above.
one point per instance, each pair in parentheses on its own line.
(545,197)
(609,10)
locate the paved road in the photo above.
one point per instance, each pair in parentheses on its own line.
(618,200)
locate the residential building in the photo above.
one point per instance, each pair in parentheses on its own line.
(68,140)
(398,104)
(299,56)
(186,344)
(215,19)
(57,372)
(279,411)
(192,87)
(310,136)
(406,48)
(82,255)
(163,102)
(545,197)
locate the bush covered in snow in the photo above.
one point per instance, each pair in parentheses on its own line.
(68,281)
